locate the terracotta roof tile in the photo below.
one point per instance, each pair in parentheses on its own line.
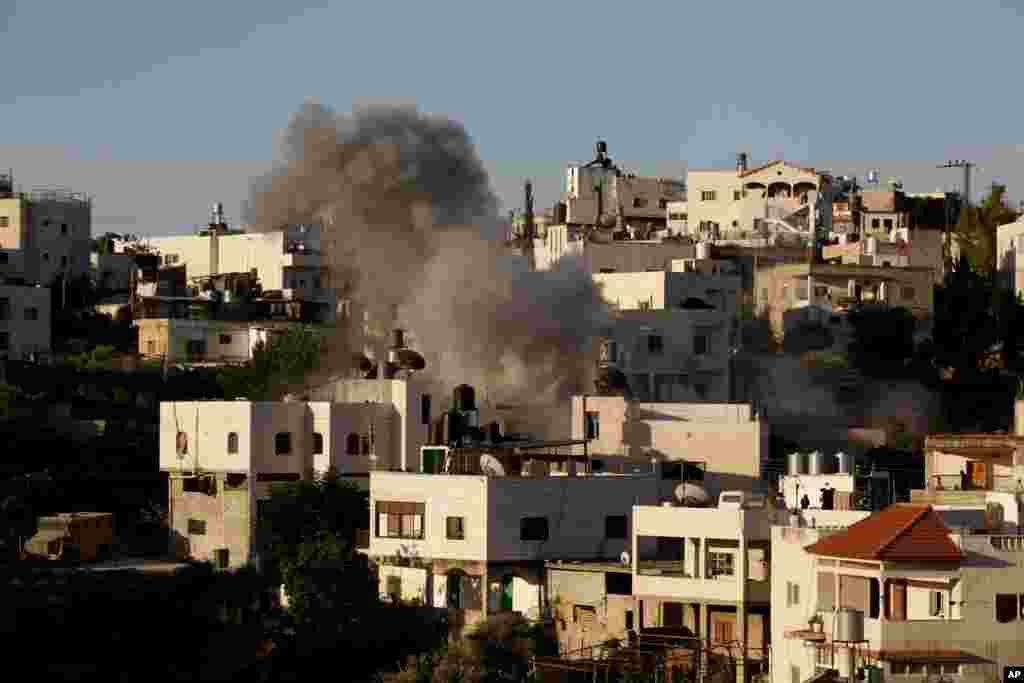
(902,532)
(762,167)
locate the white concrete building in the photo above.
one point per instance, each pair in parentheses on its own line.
(24,321)
(476,544)
(288,261)
(1009,244)
(897,592)
(707,570)
(728,442)
(677,218)
(51,227)
(779,197)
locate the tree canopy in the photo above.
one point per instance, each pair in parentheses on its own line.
(977,228)
(883,341)
(274,366)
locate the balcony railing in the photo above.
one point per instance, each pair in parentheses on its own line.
(954,482)
(663,568)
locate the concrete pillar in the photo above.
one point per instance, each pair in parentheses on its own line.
(703,632)
(741,610)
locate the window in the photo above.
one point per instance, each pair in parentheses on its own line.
(662,203)
(364,444)
(225,339)
(455,528)
(792,594)
(887,223)
(31,314)
(736,195)
(629,620)
(235,481)
(701,390)
(874,223)
(935,603)
(425,409)
(639,202)
(53,547)
(533,529)
(4,257)
(63,228)
(720,564)
(352,444)
(170,258)
(232,442)
(316,283)
(318,443)
(907,293)
(1006,607)
(700,344)
(400,520)
(723,631)
(151,346)
(655,343)
(283,443)
(874,599)
(677,216)
(707,195)
(197,527)
(5,341)
(593,423)
(46,256)
(5,221)
(5,309)
(615,527)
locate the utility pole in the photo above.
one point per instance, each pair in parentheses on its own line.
(965,199)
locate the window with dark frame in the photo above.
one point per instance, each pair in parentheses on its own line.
(425,409)
(455,528)
(232,442)
(533,529)
(1007,609)
(400,520)
(352,444)
(593,422)
(197,527)
(318,443)
(283,443)
(700,344)
(615,527)
(655,343)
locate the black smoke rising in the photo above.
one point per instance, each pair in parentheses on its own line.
(411,226)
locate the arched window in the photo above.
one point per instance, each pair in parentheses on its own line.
(318,443)
(352,444)
(232,442)
(283,443)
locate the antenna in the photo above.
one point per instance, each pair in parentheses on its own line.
(965,200)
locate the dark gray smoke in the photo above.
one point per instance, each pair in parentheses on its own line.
(411,228)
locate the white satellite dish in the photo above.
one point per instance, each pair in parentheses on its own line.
(624,558)
(692,495)
(491,466)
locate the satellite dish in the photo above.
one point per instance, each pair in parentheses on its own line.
(692,495)
(491,466)
(624,558)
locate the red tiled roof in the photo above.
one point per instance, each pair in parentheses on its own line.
(902,532)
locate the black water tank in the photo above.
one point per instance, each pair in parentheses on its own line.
(464,399)
(494,432)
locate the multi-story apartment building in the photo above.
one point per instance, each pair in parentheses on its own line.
(726,443)
(476,544)
(707,570)
(797,293)
(598,254)
(894,597)
(779,197)
(192,341)
(52,228)
(222,456)
(24,321)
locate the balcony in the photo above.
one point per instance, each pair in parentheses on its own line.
(670,578)
(920,634)
(947,484)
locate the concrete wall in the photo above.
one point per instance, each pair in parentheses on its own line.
(571,588)
(228,517)
(1010,256)
(170,337)
(443,496)
(575,507)
(24,321)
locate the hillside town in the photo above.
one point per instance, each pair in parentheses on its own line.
(798,454)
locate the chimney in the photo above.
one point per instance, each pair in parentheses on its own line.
(741,162)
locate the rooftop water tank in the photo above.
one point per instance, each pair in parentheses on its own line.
(845,463)
(464,398)
(702,250)
(849,625)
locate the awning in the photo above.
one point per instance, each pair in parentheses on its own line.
(929,656)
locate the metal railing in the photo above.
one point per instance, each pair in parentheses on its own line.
(954,482)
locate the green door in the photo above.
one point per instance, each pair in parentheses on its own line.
(432,460)
(506,593)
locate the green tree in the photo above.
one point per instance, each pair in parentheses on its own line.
(10,397)
(965,328)
(977,227)
(283,362)
(883,341)
(18,523)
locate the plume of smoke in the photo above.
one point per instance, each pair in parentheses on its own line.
(410,224)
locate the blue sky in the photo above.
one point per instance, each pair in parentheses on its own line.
(160,108)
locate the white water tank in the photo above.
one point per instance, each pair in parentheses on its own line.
(849,625)
(702,250)
(871,246)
